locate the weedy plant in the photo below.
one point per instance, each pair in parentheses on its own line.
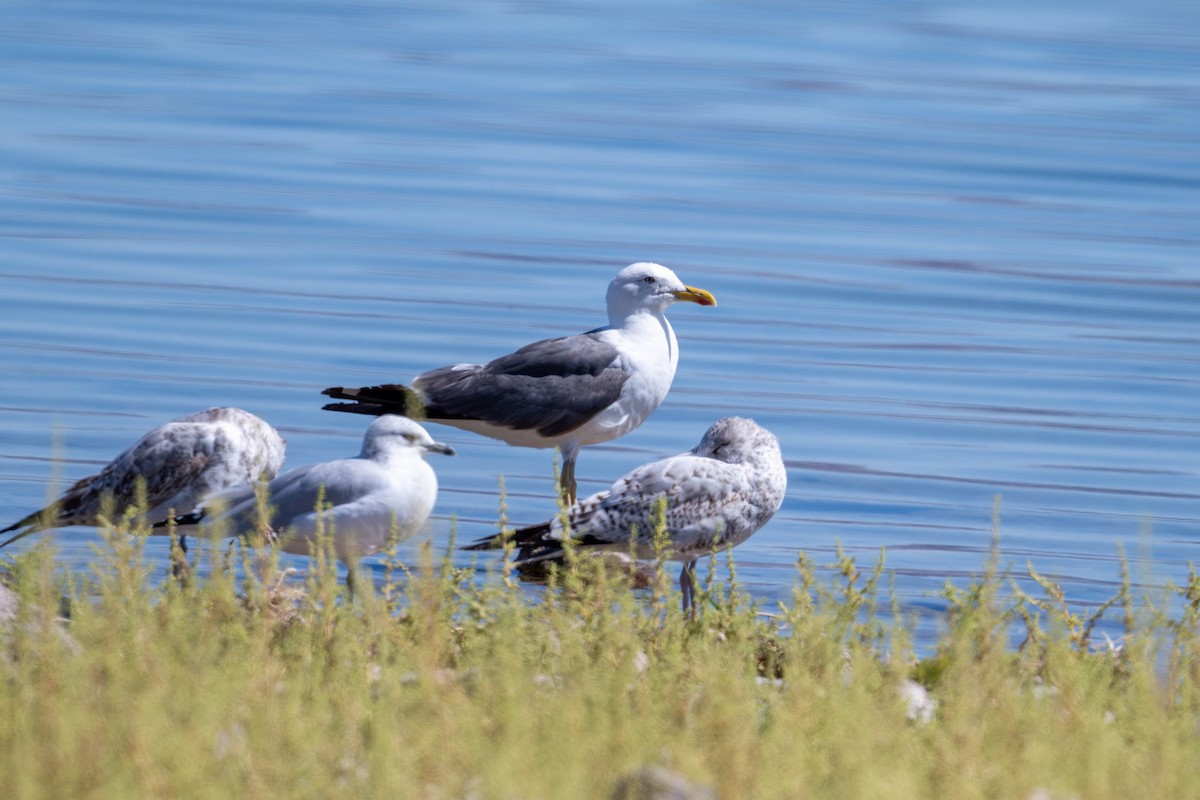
(251,682)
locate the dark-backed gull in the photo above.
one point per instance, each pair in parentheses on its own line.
(567,392)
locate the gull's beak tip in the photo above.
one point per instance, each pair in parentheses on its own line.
(698,296)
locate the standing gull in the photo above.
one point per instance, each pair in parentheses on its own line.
(718,493)
(181,462)
(567,392)
(387,484)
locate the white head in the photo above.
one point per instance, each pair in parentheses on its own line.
(649,287)
(737,440)
(392,434)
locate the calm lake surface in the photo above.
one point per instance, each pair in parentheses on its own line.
(956,249)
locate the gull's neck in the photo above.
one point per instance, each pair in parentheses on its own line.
(622,316)
(646,325)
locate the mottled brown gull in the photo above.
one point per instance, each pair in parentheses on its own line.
(567,392)
(717,494)
(181,462)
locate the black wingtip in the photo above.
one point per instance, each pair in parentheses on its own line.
(30,524)
(382,392)
(17,537)
(371,409)
(523,538)
(194,518)
(387,398)
(486,543)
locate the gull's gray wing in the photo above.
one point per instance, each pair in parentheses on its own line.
(340,482)
(552,386)
(293,494)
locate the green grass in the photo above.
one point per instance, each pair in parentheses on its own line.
(439,686)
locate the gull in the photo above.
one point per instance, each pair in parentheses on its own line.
(388,486)
(181,462)
(566,392)
(717,494)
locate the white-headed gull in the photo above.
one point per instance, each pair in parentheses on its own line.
(388,486)
(566,392)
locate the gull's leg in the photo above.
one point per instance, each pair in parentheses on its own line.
(351,579)
(687,586)
(566,480)
(179,562)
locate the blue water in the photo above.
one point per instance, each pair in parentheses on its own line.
(956,249)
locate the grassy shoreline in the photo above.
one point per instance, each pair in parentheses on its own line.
(437,686)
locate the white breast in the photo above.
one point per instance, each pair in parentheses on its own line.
(650,353)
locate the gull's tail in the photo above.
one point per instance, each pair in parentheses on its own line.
(194,518)
(31,524)
(76,506)
(536,544)
(390,398)
(523,538)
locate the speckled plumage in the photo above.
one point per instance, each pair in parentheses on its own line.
(182,462)
(567,392)
(718,493)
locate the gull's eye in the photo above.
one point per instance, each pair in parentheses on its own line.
(648,279)
(409,437)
